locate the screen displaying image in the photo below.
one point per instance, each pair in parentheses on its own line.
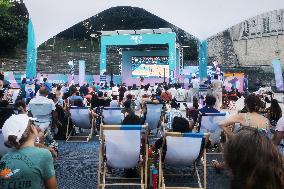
(150,66)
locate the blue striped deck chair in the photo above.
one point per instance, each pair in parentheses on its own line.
(153,116)
(120,148)
(80,117)
(183,149)
(209,124)
(43,114)
(112,115)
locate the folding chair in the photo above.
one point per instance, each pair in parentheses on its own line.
(153,116)
(183,149)
(112,116)
(209,124)
(80,117)
(120,147)
(42,113)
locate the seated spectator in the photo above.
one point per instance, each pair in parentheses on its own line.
(252,118)
(45,121)
(84,89)
(114,102)
(74,96)
(34,166)
(209,105)
(129,103)
(98,101)
(278,137)
(131,118)
(179,124)
(192,112)
(166,96)
(254,161)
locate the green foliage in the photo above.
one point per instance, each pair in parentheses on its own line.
(13,26)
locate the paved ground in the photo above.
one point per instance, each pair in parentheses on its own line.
(77,168)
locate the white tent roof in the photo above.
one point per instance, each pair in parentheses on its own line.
(201,18)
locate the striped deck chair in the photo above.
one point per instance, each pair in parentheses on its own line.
(183,149)
(153,116)
(120,148)
(80,117)
(209,124)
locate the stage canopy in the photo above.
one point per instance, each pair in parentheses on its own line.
(201,18)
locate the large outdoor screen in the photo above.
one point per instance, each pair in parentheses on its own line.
(150,66)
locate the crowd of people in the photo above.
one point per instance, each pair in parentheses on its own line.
(252,151)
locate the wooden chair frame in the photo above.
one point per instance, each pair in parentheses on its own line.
(102,164)
(162,185)
(88,137)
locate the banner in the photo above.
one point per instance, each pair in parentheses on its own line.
(278,74)
(203,59)
(82,72)
(31,52)
(72,71)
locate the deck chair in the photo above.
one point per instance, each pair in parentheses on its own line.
(209,124)
(112,116)
(120,148)
(183,149)
(80,117)
(153,116)
(42,113)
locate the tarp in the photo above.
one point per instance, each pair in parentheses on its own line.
(201,18)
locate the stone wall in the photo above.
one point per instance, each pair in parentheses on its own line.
(56,62)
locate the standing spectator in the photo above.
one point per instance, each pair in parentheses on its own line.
(217,91)
(22,93)
(195,86)
(121,90)
(25,166)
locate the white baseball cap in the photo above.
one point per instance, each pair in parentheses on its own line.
(16,125)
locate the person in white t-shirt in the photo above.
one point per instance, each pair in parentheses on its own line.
(195,85)
(217,86)
(180,94)
(173,90)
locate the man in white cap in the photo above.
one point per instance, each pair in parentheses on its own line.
(26,166)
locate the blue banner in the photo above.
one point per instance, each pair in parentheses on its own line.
(31,52)
(82,72)
(203,59)
(278,74)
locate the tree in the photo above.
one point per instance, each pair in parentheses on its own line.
(13,26)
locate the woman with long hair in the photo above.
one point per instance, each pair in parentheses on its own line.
(274,112)
(252,118)
(254,161)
